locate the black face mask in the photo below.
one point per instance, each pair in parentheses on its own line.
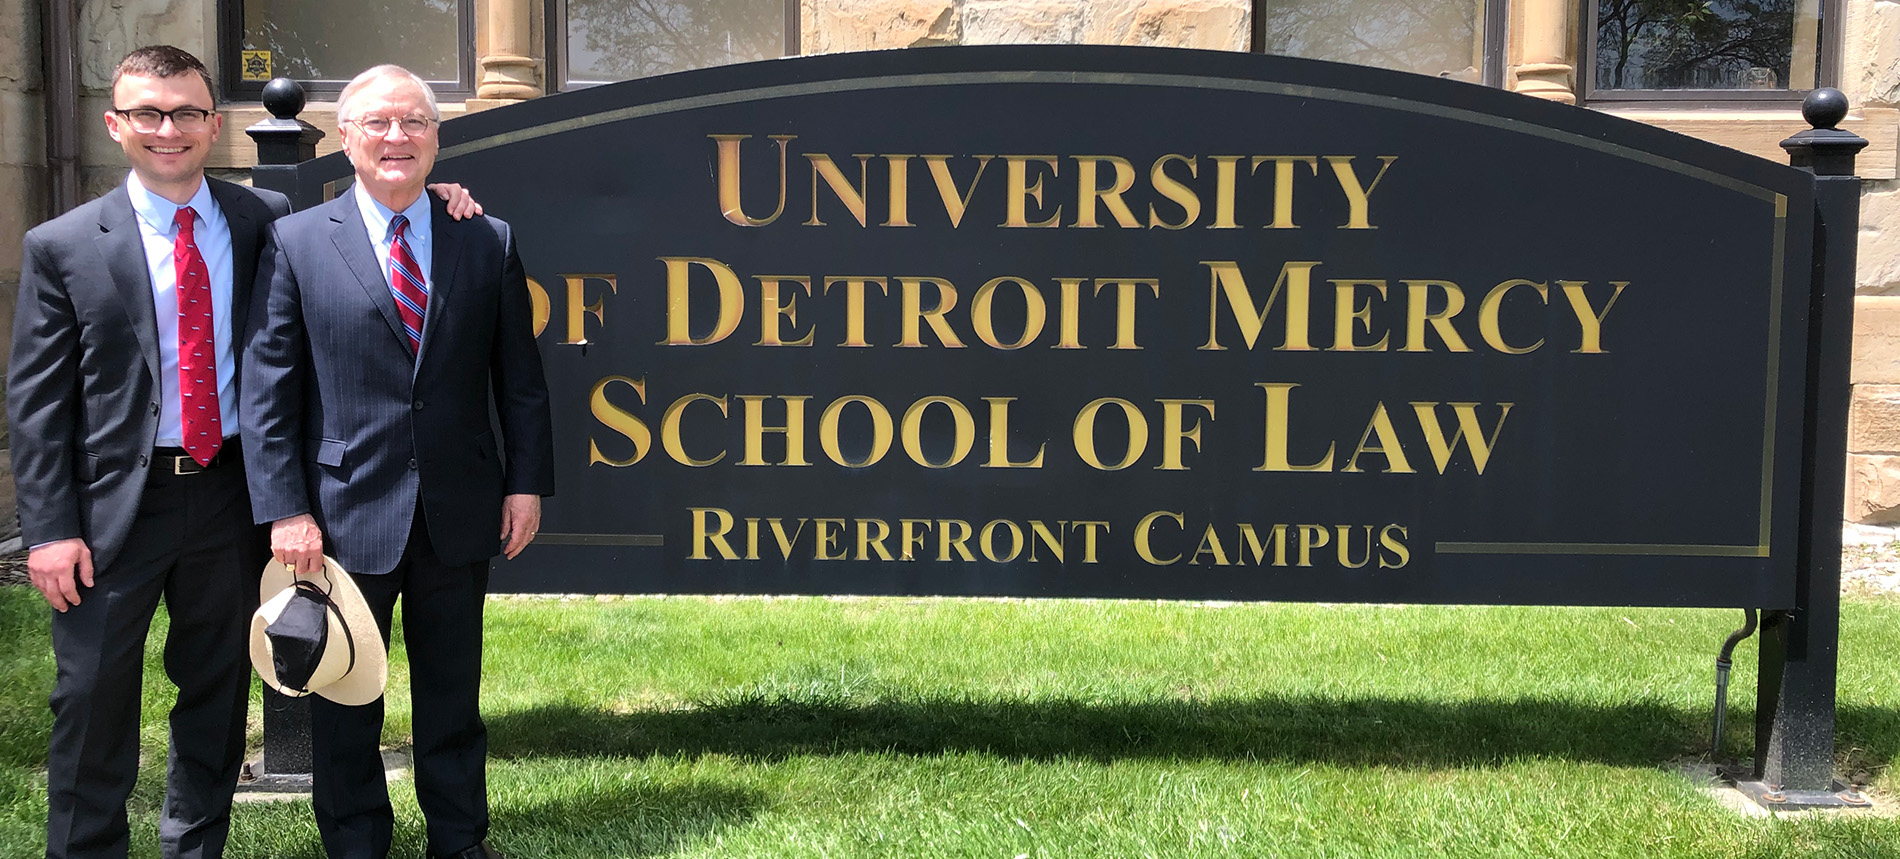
(298,635)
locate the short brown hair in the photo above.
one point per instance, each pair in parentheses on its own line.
(164,61)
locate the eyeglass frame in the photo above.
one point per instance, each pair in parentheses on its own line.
(164,115)
(362,124)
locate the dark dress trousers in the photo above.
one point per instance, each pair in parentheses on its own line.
(394,455)
(83,401)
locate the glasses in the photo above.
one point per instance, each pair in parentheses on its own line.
(148,119)
(377,126)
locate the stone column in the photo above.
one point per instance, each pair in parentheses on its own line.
(509,71)
(1545,64)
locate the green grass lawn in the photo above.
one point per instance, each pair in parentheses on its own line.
(950,728)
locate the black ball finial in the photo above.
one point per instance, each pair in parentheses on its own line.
(1824,107)
(284,98)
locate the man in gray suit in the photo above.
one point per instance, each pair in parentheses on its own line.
(381,336)
(122,393)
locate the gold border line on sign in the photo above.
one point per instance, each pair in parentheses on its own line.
(1760,550)
(600,539)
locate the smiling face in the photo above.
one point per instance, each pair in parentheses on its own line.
(392,166)
(168,162)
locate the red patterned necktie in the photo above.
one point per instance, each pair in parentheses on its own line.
(197,350)
(405,281)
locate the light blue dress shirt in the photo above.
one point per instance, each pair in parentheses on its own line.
(212,235)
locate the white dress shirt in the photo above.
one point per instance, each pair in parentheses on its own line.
(212,235)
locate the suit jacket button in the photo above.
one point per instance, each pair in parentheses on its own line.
(155,408)
(412,465)
(141,460)
(418,405)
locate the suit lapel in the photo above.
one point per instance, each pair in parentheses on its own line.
(447,252)
(242,221)
(352,241)
(124,251)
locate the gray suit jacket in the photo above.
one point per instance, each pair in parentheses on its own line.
(342,422)
(82,390)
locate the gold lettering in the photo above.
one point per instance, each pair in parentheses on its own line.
(882,431)
(913,436)
(1089,529)
(755,430)
(825,539)
(1346,312)
(1125,292)
(999,437)
(1388,446)
(1085,434)
(1400,554)
(728,182)
(1141,536)
(913,300)
(854,305)
(1087,192)
(1071,324)
(1210,545)
(911,534)
(678,293)
(1279,397)
(770,309)
(1252,544)
(947,540)
(955,202)
(1021,192)
(1035,313)
(1224,181)
(1488,310)
(619,420)
(1172,416)
(702,536)
(1040,533)
(1357,197)
(1181,194)
(1283,185)
(987,541)
(1345,547)
(578,308)
(670,439)
(1417,314)
(852,198)
(1312,537)
(1473,435)
(1588,319)
(540,306)
(900,193)
(868,543)
(785,541)
(1225,279)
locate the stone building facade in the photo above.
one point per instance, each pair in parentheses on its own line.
(1541,48)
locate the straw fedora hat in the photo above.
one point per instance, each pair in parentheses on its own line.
(340,658)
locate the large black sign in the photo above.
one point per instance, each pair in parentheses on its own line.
(1134,322)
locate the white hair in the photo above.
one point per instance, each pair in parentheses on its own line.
(378,74)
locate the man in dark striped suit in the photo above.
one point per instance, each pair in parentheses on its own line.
(382,332)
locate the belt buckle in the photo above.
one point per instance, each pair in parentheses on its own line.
(179,463)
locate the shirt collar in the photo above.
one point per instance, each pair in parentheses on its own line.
(160,212)
(377,217)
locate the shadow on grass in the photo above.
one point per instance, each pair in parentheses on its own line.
(1354,732)
(623,820)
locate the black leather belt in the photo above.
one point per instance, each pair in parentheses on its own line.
(177,461)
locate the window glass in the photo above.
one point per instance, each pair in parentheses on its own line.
(1708,44)
(1434,37)
(612,40)
(334,40)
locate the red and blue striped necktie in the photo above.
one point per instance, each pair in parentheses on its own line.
(406,283)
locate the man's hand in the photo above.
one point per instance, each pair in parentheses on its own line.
(461,205)
(297,543)
(520,520)
(52,568)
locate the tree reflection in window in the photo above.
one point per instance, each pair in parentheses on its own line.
(334,41)
(610,40)
(1707,44)
(1435,37)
